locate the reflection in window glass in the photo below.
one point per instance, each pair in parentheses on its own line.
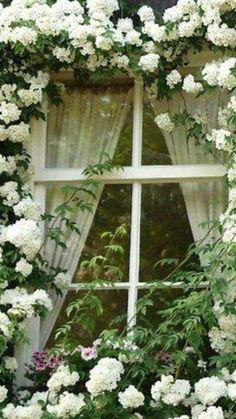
(165,229)
(87,126)
(114,304)
(113,210)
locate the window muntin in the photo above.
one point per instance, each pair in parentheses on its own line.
(136,175)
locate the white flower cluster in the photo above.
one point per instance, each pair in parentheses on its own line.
(3,393)
(15,133)
(5,325)
(189,16)
(221,138)
(20,303)
(170,392)
(212,412)
(7,164)
(191,86)
(210,389)
(173,78)
(63,377)
(62,280)
(19,412)
(149,62)
(9,192)
(219,73)
(104,376)
(28,209)
(25,235)
(164,122)
(10,363)
(24,267)
(131,398)
(69,405)
(9,112)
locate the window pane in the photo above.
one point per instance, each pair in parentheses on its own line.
(161,300)
(88,125)
(177,147)
(114,304)
(114,210)
(170,220)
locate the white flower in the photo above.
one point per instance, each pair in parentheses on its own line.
(104,376)
(18,133)
(173,78)
(63,54)
(125,25)
(210,389)
(146,14)
(62,378)
(190,86)
(233,376)
(62,280)
(164,122)
(131,398)
(28,209)
(232,391)
(9,112)
(3,393)
(10,363)
(220,137)
(170,392)
(108,7)
(212,413)
(30,96)
(26,235)
(22,412)
(23,303)
(9,192)
(133,38)
(23,267)
(7,164)
(149,62)
(70,405)
(5,324)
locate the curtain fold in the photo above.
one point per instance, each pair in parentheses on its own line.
(82,131)
(204,201)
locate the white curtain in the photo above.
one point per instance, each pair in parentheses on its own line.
(204,201)
(85,126)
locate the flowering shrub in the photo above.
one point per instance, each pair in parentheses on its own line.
(129,380)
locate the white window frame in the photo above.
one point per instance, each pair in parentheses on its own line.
(136,175)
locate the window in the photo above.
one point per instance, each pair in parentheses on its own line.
(163,193)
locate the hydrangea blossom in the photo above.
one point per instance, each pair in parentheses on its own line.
(131,398)
(104,376)
(63,377)
(209,390)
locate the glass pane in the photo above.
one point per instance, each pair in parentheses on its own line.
(154,145)
(161,300)
(171,219)
(176,147)
(165,229)
(87,126)
(114,303)
(114,210)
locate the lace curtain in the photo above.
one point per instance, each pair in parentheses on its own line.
(204,201)
(85,126)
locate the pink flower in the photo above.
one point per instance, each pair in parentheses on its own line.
(88,353)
